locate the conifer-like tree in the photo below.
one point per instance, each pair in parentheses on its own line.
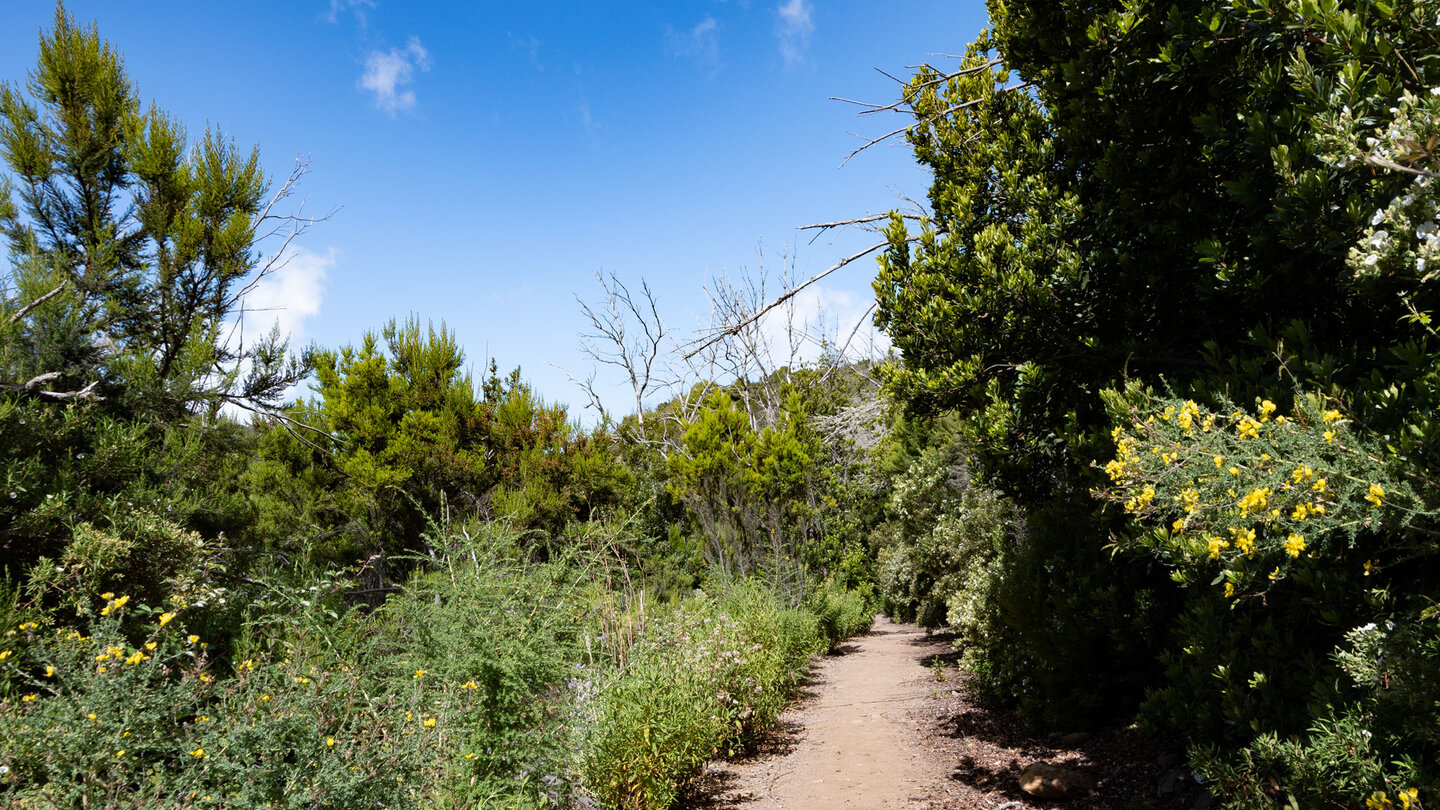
(131,248)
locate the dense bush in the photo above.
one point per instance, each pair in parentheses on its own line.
(704,680)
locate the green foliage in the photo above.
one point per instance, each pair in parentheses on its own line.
(704,679)
(130,247)
(1297,541)
(506,634)
(100,719)
(1231,202)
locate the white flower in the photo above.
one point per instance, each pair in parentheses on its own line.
(1380,239)
(1370,260)
(1435,91)
(1378,218)
(1425,229)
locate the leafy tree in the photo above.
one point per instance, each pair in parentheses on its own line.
(1226,202)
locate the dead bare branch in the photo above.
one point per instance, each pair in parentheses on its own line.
(28,308)
(32,387)
(1375,160)
(755,316)
(856,221)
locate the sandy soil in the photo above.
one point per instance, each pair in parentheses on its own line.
(848,741)
(886,721)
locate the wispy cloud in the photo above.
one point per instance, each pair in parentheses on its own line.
(701,43)
(387,74)
(356,7)
(821,318)
(530,46)
(793,27)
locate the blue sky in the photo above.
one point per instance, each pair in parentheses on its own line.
(487,159)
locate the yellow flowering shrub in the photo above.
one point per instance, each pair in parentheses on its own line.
(1252,491)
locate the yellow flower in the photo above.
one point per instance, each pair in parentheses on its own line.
(470,756)
(1369,567)
(90,716)
(1329,437)
(150,645)
(1266,408)
(1229,589)
(1254,501)
(99,670)
(330,742)
(120,753)
(204,718)
(1178,526)
(1376,495)
(136,658)
(198,753)
(1189,499)
(1407,797)
(207,679)
(469,685)
(1244,539)
(1234,470)
(5,654)
(1302,473)
(1216,544)
(265,698)
(1301,512)
(1249,428)
(165,618)
(29,697)
(1330,416)
(419,673)
(302,679)
(107,595)
(1219,462)
(192,638)
(429,722)
(1319,485)
(1294,544)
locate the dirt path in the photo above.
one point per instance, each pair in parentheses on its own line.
(874,727)
(849,740)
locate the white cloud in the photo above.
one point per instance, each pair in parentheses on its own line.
(793,28)
(388,72)
(819,316)
(288,296)
(356,7)
(701,43)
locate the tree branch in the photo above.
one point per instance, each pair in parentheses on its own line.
(759,313)
(26,310)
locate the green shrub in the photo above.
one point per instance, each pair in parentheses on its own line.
(96,720)
(705,679)
(841,612)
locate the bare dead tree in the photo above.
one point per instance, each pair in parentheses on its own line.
(626,332)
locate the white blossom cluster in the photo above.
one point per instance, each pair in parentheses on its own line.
(1401,239)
